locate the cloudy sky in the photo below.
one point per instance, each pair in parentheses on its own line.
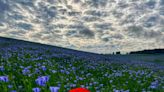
(100,26)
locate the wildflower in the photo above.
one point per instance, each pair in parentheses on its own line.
(80,78)
(111,81)
(43,68)
(42,80)
(25,71)
(4,78)
(101,85)
(53,71)
(37,70)
(54,89)
(36,89)
(73,85)
(2,68)
(79,90)
(83,86)
(154,85)
(10,86)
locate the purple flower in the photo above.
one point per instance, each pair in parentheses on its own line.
(10,86)
(42,80)
(4,78)
(36,89)
(2,68)
(25,71)
(53,71)
(154,84)
(37,70)
(54,89)
(43,68)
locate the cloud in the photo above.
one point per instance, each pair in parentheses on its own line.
(100,26)
(86,33)
(3,7)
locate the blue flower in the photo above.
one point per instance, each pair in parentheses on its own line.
(36,89)
(42,80)
(4,78)
(25,71)
(53,71)
(43,68)
(154,85)
(10,86)
(54,89)
(2,68)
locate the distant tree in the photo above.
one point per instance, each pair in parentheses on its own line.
(118,52)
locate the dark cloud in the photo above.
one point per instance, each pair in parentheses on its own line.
(161,10)
(129,19)
(3,7)
(76,26)
(153,34)
(82,33)
(76,1)
(122,5)
(151,21)
(45,12)
(117,14)
(162,21)
(87,33)
(117,36)
(71,33)
(96,13)
(74,13)
(138,32)
(97,3)
(161,2)
(16,16)
(24,26)
(135,31)
(91,19)
(25,2)
(151,3)
(103,26)
(52,11)
(105,39)
(18,33)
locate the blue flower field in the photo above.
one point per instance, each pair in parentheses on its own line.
(32,67)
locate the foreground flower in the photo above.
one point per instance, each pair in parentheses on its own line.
(36,89)
(41,81)
(54,89)
(4,78)
(79,90)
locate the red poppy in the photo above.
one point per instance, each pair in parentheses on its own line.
(79,90)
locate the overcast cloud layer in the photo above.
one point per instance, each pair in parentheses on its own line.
(100,26)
